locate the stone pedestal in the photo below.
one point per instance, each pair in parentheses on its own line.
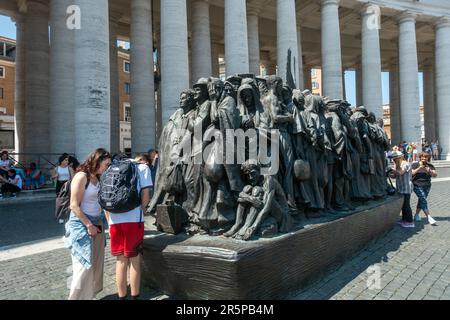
(204,267)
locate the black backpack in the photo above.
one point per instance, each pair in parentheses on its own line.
(119,187)
(62,203)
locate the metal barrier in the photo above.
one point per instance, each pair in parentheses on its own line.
(45,162)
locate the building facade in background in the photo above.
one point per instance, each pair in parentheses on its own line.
(7,84)
(69,76)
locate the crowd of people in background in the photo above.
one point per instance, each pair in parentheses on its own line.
(10,181)
(410,150)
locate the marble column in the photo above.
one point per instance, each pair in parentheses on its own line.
(20,87)
(253,41)
(394,103)
(62,94)
(92,79)
(301,78)
(159,123)
(236,39)
(443,84)
(343,85)
(331,50)
(114,78)
(37,80)
(201,40)
(215,60)
(143,124)
(371,59)
(174,55)
(409,82)
(287,45)
(429,101)
(358,85)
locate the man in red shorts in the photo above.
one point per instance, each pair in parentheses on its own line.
(127,235)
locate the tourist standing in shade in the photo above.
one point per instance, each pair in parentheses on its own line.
(62,173)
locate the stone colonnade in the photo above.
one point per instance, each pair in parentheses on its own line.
(71,107)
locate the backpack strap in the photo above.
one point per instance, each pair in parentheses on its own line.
(137,181)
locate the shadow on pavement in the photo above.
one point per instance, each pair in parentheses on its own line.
(146,294)
(335,278)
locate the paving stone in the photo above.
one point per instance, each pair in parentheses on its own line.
(415,264)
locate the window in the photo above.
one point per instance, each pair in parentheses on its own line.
(126,66)
(127,88)
(315,85)
(2,72)
(314,72)
(127,112)
(2,110)
(1,93)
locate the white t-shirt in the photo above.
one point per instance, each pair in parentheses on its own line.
(17,179)
(135,215)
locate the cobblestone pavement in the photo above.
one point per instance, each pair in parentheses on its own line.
(46,276)
(23,222)
(410,263)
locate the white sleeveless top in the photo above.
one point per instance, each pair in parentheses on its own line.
(89,204)
(63,173)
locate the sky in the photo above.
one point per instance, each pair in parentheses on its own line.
(8,29)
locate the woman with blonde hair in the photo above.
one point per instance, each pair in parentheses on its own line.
(84,230)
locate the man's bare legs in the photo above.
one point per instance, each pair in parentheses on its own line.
(122,273)
(121,276)
(135,275)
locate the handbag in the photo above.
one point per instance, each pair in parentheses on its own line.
(391,190)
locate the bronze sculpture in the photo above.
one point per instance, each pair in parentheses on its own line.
(330,156)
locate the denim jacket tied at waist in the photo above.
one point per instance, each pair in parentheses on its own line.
(78,240)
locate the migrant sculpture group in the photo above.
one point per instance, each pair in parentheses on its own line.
(331,157)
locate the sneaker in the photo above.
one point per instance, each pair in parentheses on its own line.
(417,217)
(431,220)
(408,225)
(61,221)
(400,222)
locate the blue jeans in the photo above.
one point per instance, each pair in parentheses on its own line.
(422,194)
